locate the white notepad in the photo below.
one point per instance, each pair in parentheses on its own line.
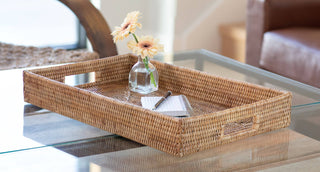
(172,106)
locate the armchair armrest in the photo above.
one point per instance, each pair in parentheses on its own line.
(95,25)
(265,15)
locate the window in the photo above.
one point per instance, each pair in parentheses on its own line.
(40,23)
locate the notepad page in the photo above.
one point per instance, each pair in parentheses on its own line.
(172,103)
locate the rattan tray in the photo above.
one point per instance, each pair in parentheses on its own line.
(224,110)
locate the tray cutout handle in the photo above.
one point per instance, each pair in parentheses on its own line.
(240,127)
(80,79)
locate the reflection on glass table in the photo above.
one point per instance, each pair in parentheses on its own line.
(306,120)
(24,129)
(282,150)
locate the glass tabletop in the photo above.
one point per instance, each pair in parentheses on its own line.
(216,64)
(25,128)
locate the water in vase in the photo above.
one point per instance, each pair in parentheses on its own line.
(140,80)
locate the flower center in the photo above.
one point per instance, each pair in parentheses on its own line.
(145,45)
(126,26)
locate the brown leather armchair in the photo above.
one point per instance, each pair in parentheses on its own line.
(283,36)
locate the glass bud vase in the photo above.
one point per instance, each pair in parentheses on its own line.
(141,79)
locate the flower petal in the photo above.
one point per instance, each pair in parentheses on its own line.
(128,26)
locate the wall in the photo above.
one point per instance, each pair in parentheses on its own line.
(179,24)
(157,18)
(202,31)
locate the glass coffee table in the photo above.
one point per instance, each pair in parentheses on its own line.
(35,138)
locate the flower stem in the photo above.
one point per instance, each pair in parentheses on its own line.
(145,62)
(135,37)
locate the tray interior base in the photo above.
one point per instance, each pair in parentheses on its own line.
(120,91)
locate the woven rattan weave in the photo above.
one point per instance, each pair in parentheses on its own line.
(224,110)
(15,56)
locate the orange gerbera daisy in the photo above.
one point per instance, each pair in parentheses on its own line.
(128,26)
(147,46)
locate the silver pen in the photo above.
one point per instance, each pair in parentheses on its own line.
(162,100)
